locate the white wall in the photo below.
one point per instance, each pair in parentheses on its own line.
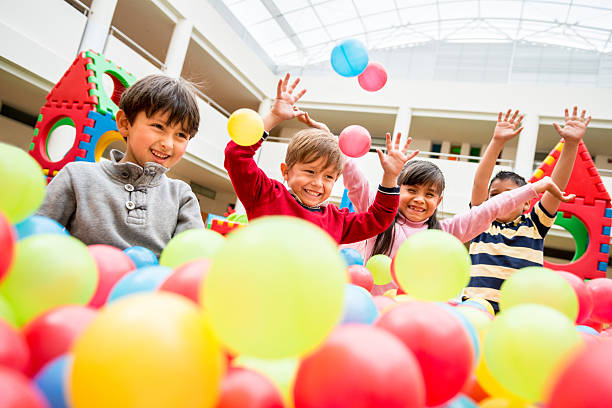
(210,141)
(116,51)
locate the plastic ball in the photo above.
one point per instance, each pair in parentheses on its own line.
(423,274)
(461,402)
(355,141)
(191,245)
(147,279)
(131,357)
(17,392)
(585,299)
(442,347)
(585,380)
(52,333)
(471,330)
(525,346)
(537,285)
(380,266)
(7,243)
(280,371)
(286,300)
(37,224)
(601,291)
(587,329)
(186,280)
(490,384)
(349,58)
(359,366)
(112,265)
(23,183)
(591,323)
(482,302)
(52,380)
(247,388)
(358,306)
(373,78)
(383,303)
(14,352)
(49,271)
(6,312)
(360,276)
(141,256)
(245,127)
(351,256)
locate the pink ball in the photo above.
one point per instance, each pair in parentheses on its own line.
(8,238)
(112,264)
(187,279)
(14,351)
(601,290)
(373,78)
(585,300)
(383,303)
(355,141)
(361,276)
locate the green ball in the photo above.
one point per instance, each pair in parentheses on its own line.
(6,312)
(190,245)
(23,183)
(540,286)
(526,347)
(432,265)
(49,270)
(275,289)
(380,267)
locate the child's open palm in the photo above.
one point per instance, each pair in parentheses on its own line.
(506,128)
(393,161)
(284,105)
(574,127)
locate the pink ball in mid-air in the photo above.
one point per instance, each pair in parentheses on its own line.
(355,141)
(373,78)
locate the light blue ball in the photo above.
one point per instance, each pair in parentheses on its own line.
(587,329)
(469,327)
(351,256)
(52,380)
(147,279)
(141,256)
(461,402)
(37,224)
(349,58)
(358,306)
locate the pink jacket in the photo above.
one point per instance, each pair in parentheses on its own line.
(464,226)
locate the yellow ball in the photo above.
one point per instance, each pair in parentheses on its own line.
(380,267)
(151,350)
(190,245)
(280,371)
(275,288)
(485,303)
(245,127)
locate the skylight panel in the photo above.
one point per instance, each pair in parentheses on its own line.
(281,47)
(303,20)
(335,11)
(500,9)
(380,21)
(290,5)
(313,37)
(462,9)
(267,32)
(536,10)
(414,15)
(250,12)
(590,17)
(346,29)
(366,7)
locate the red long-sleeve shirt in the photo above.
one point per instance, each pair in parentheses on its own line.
(263,196)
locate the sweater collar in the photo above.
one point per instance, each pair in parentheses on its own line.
(412,224)
(150,175)
(318,208)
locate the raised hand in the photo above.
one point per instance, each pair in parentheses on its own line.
(393,161)
(547,184)
(284,105)
(575,127)
(308,121)
(506,128)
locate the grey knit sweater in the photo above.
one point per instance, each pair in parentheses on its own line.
(121,204)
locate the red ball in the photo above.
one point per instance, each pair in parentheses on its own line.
(383,303)
(440,343)
(361,276)
(246,388)
(17,392)
(601,290)
(14,352)
(585,381)
(187,279)
(472,389)
(585,300)
(112,265)
(359,366)
(52,333)
(596,325)
(8,237)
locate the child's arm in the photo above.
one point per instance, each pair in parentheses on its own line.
(249,181)
(60,199)
(189,215)
(504,130)
(572,132)
(472,223)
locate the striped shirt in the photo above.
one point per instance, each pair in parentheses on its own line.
(505,248)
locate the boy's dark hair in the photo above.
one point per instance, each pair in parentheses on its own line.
(161,93)
(415,172)
(509,175)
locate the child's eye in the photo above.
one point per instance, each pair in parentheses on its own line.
(329,177)
(157,125)
(183,136)
(309,171)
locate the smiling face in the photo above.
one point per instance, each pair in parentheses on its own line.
(418,202)
(311,182)
(499,186)
(152,139)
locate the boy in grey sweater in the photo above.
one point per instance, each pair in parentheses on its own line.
(129,201)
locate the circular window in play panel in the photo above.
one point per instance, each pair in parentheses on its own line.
(60,139)
(113,87)
(558,248)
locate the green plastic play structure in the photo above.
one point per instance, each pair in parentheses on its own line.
(578,231)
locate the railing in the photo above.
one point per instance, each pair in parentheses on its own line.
(136,47)
(81,7)
(212,103)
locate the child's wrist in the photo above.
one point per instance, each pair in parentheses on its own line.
(271,121)
(389,181)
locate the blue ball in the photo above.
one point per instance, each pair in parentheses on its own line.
(37,224)
(51,380)
(349,58)
(351,256)
(587,329)
(141,256)
(358,306)
(461,401)
(145,279)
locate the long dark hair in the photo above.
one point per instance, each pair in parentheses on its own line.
(415,172)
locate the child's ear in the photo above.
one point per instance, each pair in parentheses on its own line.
(284,170)
(122,123)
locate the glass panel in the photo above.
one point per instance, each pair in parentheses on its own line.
(303,20)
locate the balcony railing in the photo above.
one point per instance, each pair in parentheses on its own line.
(137,48)
(80,6)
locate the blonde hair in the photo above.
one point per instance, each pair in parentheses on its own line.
(310,145)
